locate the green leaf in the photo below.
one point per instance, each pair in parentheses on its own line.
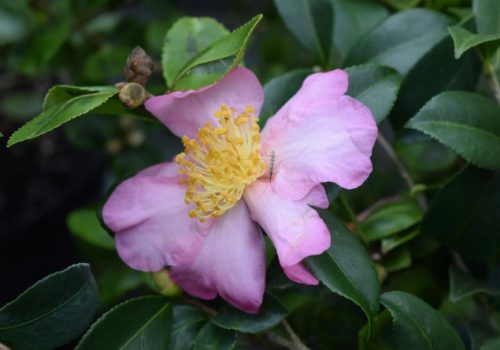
(402,4)
(464,214)
(381,335)
(84,224)
(487,15)
(376,86)
(311,22)
(62,104)
(395,241)
(397,260)
(466,122)
(52,312)
(212,337)
(435,72)
(346,269)
(187,38)
(140,323)
(116,279)
(270,314)
(463,285)
(279,90)
(401,40)
(390,219)
(352,19)
(465,40)
(218,59)
(186,324)
(417,326)
(493,344)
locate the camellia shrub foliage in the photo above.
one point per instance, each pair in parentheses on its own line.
(351,201)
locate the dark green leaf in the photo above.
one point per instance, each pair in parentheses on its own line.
(390,219)
(397,260)
(465,122)
(271,313)
(487,15)
(346,269)
(62,104)
(311,22)
(402,4)
(352,19)
(401,40)
(218,59)
(417,326)
(141,323)
(84,224)
(212,337)
(381,335)
(116,279)
(465,215)
(493,344)
(463,285)
(465,40)
(52,312)
(186,324)
(375,86)
(279,90)
(392,242)
(187,38)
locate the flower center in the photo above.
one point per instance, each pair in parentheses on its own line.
(221,161)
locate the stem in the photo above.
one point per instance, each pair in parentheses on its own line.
(352,216)
(297,343)
(401,168)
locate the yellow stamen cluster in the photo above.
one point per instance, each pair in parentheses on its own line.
(221,162)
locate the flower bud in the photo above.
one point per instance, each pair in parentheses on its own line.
(164,284)
(139,66)
(132,94)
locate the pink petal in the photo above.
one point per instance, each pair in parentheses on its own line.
(231,262)
(185,112)
(150,220)
(296,229)
(298,273)
(320,135)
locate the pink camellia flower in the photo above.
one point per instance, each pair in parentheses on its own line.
(202,214)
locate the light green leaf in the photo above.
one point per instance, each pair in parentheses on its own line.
(465,40)
(466,122)
(212,337)
(52,312)
(311,22)
(218,59)
(141,323)
(376,86)
(84,224)
(187,38)
(61,105)
(390,219)
(270,314)
(417,326)
(401,40)
(346,269)
(186,324)
(463,285)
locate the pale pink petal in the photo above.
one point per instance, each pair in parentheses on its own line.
(298,273)
(296,229)
(231,262)
(185,112)
(150,220)
(320,136)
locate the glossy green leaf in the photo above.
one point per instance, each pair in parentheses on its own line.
(465,40)
(463,285)
(401,40)
(212,337)
(352,19)
(345,268)
(464,214)
(270,314)
(466,122)
(218,59)
(52,312)
(279,90)
(141,323)
(186,324)
(390,219)
(311,22)
(487,16)
(187,38)
(435,72)
(376,86)
(417,326)
(62,104)
(84,224)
